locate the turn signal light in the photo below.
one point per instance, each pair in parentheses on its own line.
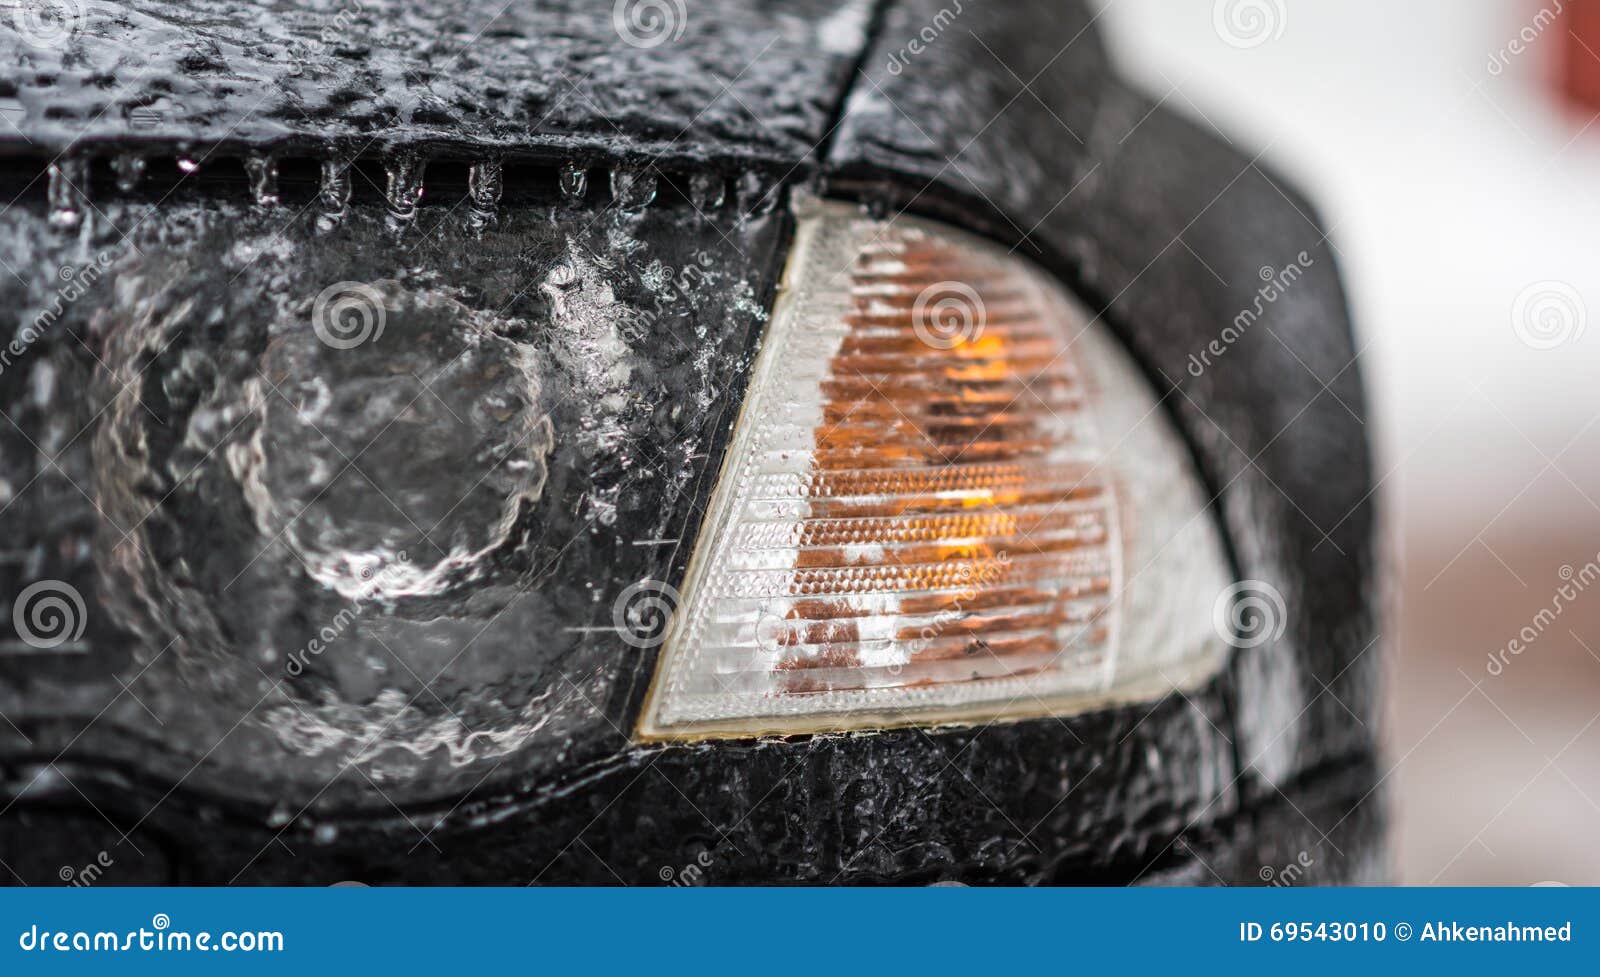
(950,498)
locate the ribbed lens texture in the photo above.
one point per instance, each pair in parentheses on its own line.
(917,514)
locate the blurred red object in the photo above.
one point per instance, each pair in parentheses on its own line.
(1579,70)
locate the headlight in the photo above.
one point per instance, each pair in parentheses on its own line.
(950,497)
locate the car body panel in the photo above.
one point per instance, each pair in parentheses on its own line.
(1010,123)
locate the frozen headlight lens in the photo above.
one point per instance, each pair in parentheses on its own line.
(950,497)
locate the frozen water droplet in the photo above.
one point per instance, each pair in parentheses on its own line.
(187,165)
(262,172)
(325,834)
(707,191)
(757,197)
(563,276)
(484,186)
(129,169)
(633,188)
(574,180)
(67,192)
(333,199)
(404,178)
(279,816)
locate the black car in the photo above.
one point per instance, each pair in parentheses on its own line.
(670,441)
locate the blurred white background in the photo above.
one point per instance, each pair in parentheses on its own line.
(1431,138)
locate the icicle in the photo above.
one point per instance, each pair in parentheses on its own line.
(67,190)
(707,191)
(757,197)
(404,190)
(633,188)
(574,181)
(484,185)
(129,170)
(333,198)
(262,172)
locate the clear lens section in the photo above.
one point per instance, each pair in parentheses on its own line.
(950,497)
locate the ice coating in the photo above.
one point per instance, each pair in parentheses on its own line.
(422,438)
(358,501)
(479,71)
